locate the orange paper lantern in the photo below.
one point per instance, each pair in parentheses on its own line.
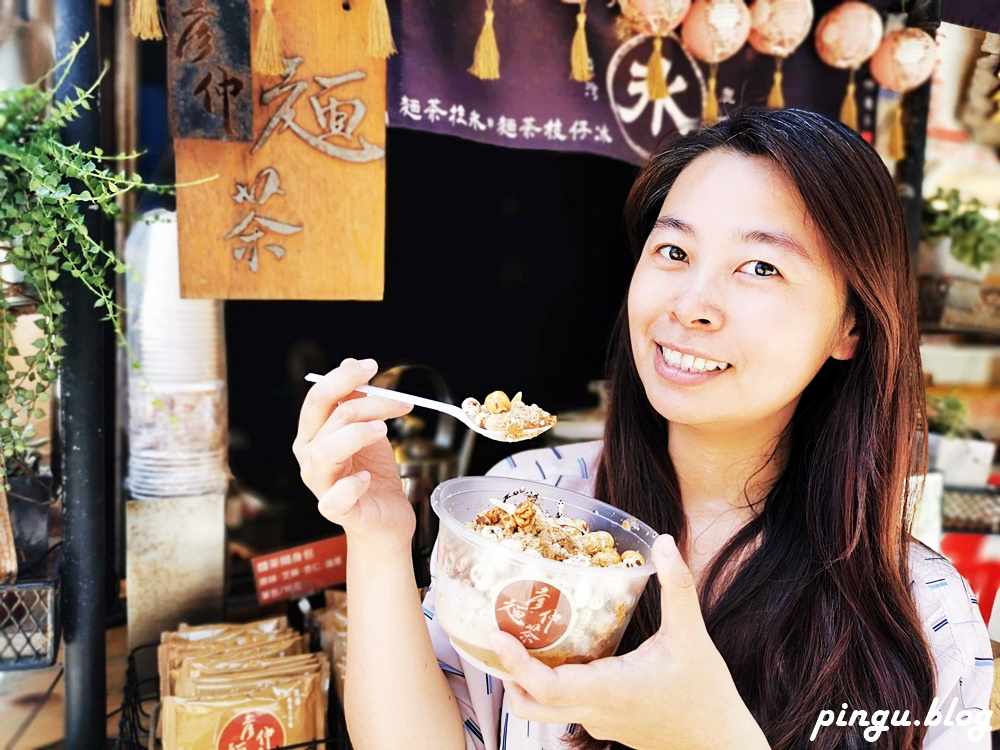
(778,28)
(904,60)
(714,31)
(846,37)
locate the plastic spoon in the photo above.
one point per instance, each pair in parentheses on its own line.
(450,409)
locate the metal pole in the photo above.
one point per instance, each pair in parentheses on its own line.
(924,14)
(82,429)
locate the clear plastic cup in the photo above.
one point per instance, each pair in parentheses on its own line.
(562,613)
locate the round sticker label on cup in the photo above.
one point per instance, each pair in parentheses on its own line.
(534,612)
(252,730)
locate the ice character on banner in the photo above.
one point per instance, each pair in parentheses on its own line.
(332,119)
(252,228)
(631,105)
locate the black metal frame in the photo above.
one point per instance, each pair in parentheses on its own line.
(83,433)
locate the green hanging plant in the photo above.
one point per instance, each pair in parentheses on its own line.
(46,188)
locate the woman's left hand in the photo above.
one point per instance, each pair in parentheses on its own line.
(674,691)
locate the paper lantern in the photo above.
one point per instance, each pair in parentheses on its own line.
(656,18)
(714,31)
(778,28)
(846,38)
(904,60)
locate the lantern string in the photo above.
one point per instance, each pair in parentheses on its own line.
(849,107)
(380,43)
(144,20)
(579,54)
(267,56)
(776,97)
(656,79)
(486,58)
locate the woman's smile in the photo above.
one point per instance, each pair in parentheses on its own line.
(685,368)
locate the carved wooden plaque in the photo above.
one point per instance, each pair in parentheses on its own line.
(208,59)
(299,211)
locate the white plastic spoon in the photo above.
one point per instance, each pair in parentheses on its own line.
(450,409)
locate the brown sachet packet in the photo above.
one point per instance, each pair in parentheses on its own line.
(195,667)
(332,623)
(267,625)
(170,656)
(189,686)
(267,718)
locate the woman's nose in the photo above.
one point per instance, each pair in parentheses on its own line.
(697,306)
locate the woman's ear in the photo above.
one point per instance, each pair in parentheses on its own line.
(847,344)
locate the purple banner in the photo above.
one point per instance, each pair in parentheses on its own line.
(535,104)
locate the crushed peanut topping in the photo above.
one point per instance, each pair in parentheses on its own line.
(527,527)
(510,416)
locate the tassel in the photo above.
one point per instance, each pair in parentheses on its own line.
(711,114)
(380,42)
(656,82)
(849,109)
(267,54)
(145,20)
(776,98)
(486,59)
(897,137)
(580,56)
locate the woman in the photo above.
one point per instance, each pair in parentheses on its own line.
(766,396)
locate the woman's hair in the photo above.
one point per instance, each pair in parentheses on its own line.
(809,604)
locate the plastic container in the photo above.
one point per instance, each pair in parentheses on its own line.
(562,613)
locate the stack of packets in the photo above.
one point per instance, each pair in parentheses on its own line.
(330,624)
(252,686)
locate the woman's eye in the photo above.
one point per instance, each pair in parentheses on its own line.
(673,252)
(759,268)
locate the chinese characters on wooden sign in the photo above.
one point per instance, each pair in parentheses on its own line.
(298,209)
(208,58)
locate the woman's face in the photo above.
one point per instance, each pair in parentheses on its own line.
(734,272)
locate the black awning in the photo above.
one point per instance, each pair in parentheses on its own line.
(976,14)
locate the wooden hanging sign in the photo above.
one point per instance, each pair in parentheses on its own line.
(298,212)
(208,61)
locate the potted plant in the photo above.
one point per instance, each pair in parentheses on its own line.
(954,449)
(46,188)
(960,238)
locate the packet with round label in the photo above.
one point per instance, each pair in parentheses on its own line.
(283,714)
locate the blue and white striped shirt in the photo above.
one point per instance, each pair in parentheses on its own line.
(953,627)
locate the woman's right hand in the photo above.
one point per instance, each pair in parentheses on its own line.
(346,460)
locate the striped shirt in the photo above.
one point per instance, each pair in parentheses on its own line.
(947,607)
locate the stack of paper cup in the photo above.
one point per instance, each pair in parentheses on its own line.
(177,398)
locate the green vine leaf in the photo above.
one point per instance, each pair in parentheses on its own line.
(45,186)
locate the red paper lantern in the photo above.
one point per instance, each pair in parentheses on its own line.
(714,31)
(846,37)
(778,27)
(904,60)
